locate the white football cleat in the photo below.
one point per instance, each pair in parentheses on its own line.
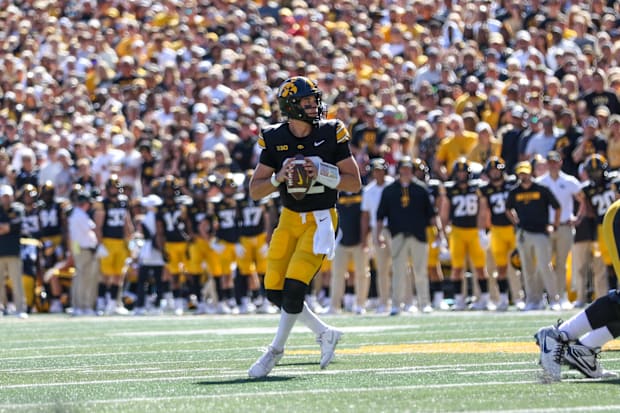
(328,340)
(586,360)
(265,363)
(552,343)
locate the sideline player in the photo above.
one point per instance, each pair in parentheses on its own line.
(305,232)
(578,341)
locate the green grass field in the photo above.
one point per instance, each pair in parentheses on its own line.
(443,362)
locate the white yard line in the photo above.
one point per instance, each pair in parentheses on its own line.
(310,391)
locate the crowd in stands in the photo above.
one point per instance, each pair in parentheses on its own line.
(138,90)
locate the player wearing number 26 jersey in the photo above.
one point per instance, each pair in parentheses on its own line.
(601,191)
(460,209)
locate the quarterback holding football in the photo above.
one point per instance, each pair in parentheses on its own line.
(308,160)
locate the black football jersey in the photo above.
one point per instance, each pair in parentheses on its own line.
(173,219)
(329,141)
(601,196)
(50,219)
(31,226)
(226,213)
(116,211)
(463,204)
(251,217)
(496,199)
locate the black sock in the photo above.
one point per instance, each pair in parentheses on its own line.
(113,292)
(435,287)
(349,289)
(484,285)
(101,290)
(502,285)
(457,286)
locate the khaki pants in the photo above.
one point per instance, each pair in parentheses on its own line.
(584,255)
(383,263)
(404,251)
(561,244)
(340,265)
(85,281)
(535,252)
(11,267)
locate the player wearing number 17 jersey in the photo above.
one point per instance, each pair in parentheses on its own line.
(503,240)
(601,190)
(460,208)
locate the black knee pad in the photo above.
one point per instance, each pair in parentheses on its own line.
(275,297)
(604,310)
(294,295)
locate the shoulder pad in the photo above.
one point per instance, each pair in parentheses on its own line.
(476,182)
(184,200)
(434,182)
(238,196)
(449,184)
(511,179)
(215,199)
(18,206)
(342,133)
(123,198)
(265,132)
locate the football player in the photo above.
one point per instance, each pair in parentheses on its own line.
(601,191)
(305,232)
(254,236)
(226,241)
(437,239)
(199,249)
(577,342)
(502,238)
(114,226)
(174,233)
(30,241)
(53,221)
(460,207)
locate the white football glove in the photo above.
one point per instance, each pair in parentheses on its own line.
(216,246)
(101,251)
(263,250)
(239,251)
(483,237)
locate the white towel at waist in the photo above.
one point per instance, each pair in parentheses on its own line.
(324,236)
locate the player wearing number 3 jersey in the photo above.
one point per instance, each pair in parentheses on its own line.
(493,214)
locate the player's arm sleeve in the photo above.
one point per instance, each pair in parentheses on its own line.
(266,156)
(343,151)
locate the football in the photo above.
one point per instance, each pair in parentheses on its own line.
(298,183)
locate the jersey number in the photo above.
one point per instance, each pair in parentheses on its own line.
(171,219)
(602,202)
(227,218)
(465,205)
(115,217)
(49,218)
(498,203)
(252,216)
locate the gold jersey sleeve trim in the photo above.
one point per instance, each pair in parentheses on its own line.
(342,134)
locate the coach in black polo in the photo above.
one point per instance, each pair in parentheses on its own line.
(527,207)
(407,205)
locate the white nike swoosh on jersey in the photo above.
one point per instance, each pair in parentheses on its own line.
(319,142)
